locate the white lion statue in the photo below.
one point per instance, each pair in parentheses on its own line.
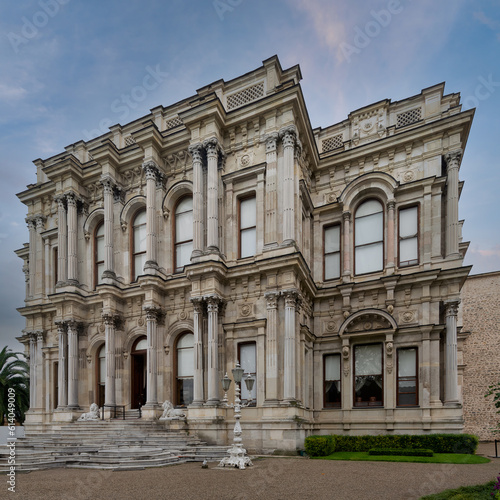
(93,414)
(171,413)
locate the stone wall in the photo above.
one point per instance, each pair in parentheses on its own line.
(481,319)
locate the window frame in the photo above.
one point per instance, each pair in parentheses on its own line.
(406,378)
(176,370)
(240,344)
(411,263)
(354,402)
(325,228)
(333,405)
(354,246)
(176,243)
(133,253)
(95,253)
(245,197)
(100,394)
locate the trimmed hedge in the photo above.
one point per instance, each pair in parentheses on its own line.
(439,443)
(401,453)
(320,446)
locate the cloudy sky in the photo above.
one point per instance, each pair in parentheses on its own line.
(72,68)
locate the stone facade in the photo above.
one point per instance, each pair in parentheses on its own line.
(481,324)
(224,227)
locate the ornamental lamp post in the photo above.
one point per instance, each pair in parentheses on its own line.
(237,454)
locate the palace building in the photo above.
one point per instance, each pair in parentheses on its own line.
(225,228)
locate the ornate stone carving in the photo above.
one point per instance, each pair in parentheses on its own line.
(93,414)
(271,299)
(171,413)
(245,310)
(271,142)
(389,348)
(196,151)
(453,158)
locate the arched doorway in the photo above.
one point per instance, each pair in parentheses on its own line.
(101,375)
(138,372)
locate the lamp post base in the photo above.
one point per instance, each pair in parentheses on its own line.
(237,458)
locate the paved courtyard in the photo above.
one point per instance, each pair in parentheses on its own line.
(270,478)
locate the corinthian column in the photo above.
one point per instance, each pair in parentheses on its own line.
(451,365)
(152,314)
(452,228)
(33,380)
(346,274)
(212,148)
(109,268)
(72,365)
(62,375)
(213,348)
(62,242)
(198,352)
(290,368)
(39,369)
(271,233)
(110,392)
(289,137)
(31,221)
(391,206)
(152,175)
(196,153)
(72,239)
(272,346)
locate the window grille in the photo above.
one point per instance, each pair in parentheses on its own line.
(129,140)
(408,117)
(245,96)
(332,143)
(174,122)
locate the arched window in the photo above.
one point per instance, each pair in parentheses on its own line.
(98,253)
(101,375)
(369,237)
(185,369)
(138,244)
(183,237)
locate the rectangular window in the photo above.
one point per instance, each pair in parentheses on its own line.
(331,381)
(407,377)
(368,375)
(248,227)
(248,361)
(332,252)
(408,236)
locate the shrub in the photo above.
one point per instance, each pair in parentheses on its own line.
(439,443)
(401,452)
(320,446)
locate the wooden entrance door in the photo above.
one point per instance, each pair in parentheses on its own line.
(138,368)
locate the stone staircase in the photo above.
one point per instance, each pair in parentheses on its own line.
(111,445)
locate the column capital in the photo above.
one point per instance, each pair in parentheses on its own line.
(391,204)
(40,335)
(292,297)
(288,136)
(153,313)
(197,304)
(196,152)
(212,146)
(60,199)
(346,215)
(108,184)
(451,307)
(272,299)
(151,170)
(213,302)
(271,142)
(453,158)
(111,319)
(71,199)
(31,222)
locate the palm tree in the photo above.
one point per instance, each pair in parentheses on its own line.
(14,374)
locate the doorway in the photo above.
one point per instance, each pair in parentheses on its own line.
(138,372)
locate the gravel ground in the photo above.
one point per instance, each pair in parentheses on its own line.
(269,478)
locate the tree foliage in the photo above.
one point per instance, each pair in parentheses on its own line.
(494,390)
(14,374)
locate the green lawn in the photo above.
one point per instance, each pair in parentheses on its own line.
(479,492)
(438,458)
